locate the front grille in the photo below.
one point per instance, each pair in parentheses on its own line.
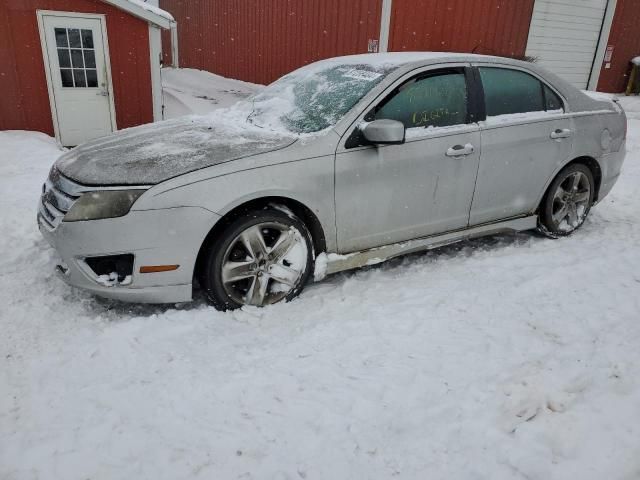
(58,195)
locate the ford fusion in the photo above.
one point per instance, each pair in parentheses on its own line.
(343,163)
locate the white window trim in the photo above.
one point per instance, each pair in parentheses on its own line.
(174,46)
(47,64)
(385,25)
(155,58)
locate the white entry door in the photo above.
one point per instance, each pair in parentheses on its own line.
(564,36)
(77,62)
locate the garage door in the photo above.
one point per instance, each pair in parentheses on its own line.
(564,36)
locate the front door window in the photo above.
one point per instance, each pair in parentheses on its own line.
(436,100)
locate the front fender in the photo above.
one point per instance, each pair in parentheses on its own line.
(309,182)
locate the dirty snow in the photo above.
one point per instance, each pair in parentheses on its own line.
(507,357)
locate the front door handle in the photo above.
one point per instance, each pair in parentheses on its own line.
(103,93)
(560,133)
(460,150)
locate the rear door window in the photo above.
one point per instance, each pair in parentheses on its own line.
(438,99)
(509,91)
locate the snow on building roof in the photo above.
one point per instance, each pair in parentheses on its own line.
(145,11)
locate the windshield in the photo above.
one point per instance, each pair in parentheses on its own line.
(315,97)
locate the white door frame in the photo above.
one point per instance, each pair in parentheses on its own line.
(598,61)
(385,25)
(155,59)
(47,64)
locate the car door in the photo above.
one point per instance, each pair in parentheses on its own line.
(526,135)
(391,193)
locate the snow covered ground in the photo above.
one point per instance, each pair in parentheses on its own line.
(502,358)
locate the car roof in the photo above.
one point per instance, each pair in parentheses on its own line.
(409,58)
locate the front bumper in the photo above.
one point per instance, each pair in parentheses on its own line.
(154,237)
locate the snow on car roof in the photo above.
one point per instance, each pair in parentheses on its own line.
(401,58)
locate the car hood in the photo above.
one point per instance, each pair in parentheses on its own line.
(152,153)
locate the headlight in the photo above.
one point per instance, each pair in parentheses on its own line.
(102,204)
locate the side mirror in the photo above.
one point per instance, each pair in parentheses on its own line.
(384,132)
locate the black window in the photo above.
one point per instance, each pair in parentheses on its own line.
(434,100)
(552,100)
(76,58)
(510,91)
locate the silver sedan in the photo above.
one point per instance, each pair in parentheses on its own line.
(343,163)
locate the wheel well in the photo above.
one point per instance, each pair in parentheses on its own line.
(596,171)
(299,209)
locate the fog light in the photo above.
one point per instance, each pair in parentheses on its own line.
(116,269)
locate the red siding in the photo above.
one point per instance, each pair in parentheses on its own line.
(24,102)
(259,41)
(625,39)
(495,27)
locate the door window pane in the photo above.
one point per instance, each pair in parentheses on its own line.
(78,78)
(438,100)
(61,37)
(74,38)
(92,78)
(89,59)
(87,39)
(63,58)
(510,91)
(76,58)
(67,77)
(553,101)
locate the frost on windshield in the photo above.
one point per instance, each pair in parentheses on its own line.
(315,98)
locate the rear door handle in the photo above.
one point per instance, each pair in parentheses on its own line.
(460,150)
(560,133)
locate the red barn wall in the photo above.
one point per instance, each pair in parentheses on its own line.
(259,41)
(491,27)
(625,39)
(24,100)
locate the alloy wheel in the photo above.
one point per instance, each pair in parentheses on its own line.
(571,201)
(264,264)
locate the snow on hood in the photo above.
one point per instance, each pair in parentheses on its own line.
(152,153)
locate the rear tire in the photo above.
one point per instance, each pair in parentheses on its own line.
(264,257)
(567,202)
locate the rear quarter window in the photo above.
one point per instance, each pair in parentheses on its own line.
(552,100)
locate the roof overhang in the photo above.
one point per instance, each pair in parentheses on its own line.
(144,11)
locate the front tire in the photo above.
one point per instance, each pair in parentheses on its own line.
(568,202)
(264,257)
